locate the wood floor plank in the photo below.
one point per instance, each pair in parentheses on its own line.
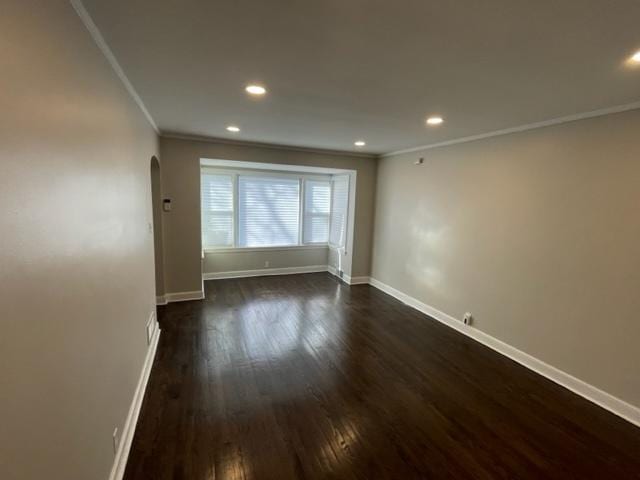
(304,377)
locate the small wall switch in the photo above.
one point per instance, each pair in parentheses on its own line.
(166,205)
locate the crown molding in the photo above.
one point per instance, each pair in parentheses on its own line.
(106,51)
(241,143)
(521,128)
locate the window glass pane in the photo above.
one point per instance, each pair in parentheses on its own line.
(317,203)
(217,210)
(339,208)
(268,211)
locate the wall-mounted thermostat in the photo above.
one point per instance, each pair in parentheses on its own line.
(166,205)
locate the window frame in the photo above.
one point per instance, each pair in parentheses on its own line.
(303,207)
(235,174)
(334,178)
(233,206)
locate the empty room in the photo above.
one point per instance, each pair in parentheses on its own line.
(336,239)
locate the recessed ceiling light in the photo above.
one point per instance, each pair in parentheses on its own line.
(233,128)
(435,120)
(359,143)
(256,89)
(635,58)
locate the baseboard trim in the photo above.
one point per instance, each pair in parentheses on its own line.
(264,272)
(358,280)
(577,386)
(161,300)
(183,296)
(349,280)
(122,455)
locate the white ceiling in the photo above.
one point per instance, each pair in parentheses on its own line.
(341,70)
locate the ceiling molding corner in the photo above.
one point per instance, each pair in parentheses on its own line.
(106,51)
(242,143)
(521,128)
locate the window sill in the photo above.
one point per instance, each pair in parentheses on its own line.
(315,246)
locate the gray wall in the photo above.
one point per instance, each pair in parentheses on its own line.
(76,276)
(156,197)
(536,233)
(181,183)
(255,260)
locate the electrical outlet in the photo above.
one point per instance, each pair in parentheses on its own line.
(116,440)
(467,319)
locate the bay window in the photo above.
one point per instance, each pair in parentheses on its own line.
(340,205)
(268,209)
(317,208)
(217,210)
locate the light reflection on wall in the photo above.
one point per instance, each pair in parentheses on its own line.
(429,247)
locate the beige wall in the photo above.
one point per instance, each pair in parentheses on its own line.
(537,234)
(156,197)
(255,260)
(181,183)
(76,275)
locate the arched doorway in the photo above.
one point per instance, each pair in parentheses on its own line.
(156,200)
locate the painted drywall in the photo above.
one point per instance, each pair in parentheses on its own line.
(181,183)
(333,67)
(77,275)
(255,260)
(156,200)
(535,233)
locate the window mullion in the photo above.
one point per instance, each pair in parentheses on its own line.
(330,208)
(235,209)
(302,210)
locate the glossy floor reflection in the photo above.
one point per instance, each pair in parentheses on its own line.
(301,377)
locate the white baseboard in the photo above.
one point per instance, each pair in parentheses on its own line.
(264,272)
(347,278)
(122,455)
(357,280)
(591,393)
(183,296)
(161,300)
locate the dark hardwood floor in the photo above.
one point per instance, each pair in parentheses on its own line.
(301,377)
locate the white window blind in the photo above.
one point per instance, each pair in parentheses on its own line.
(268,211)
(339,209)
(317,205)
(217,210)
